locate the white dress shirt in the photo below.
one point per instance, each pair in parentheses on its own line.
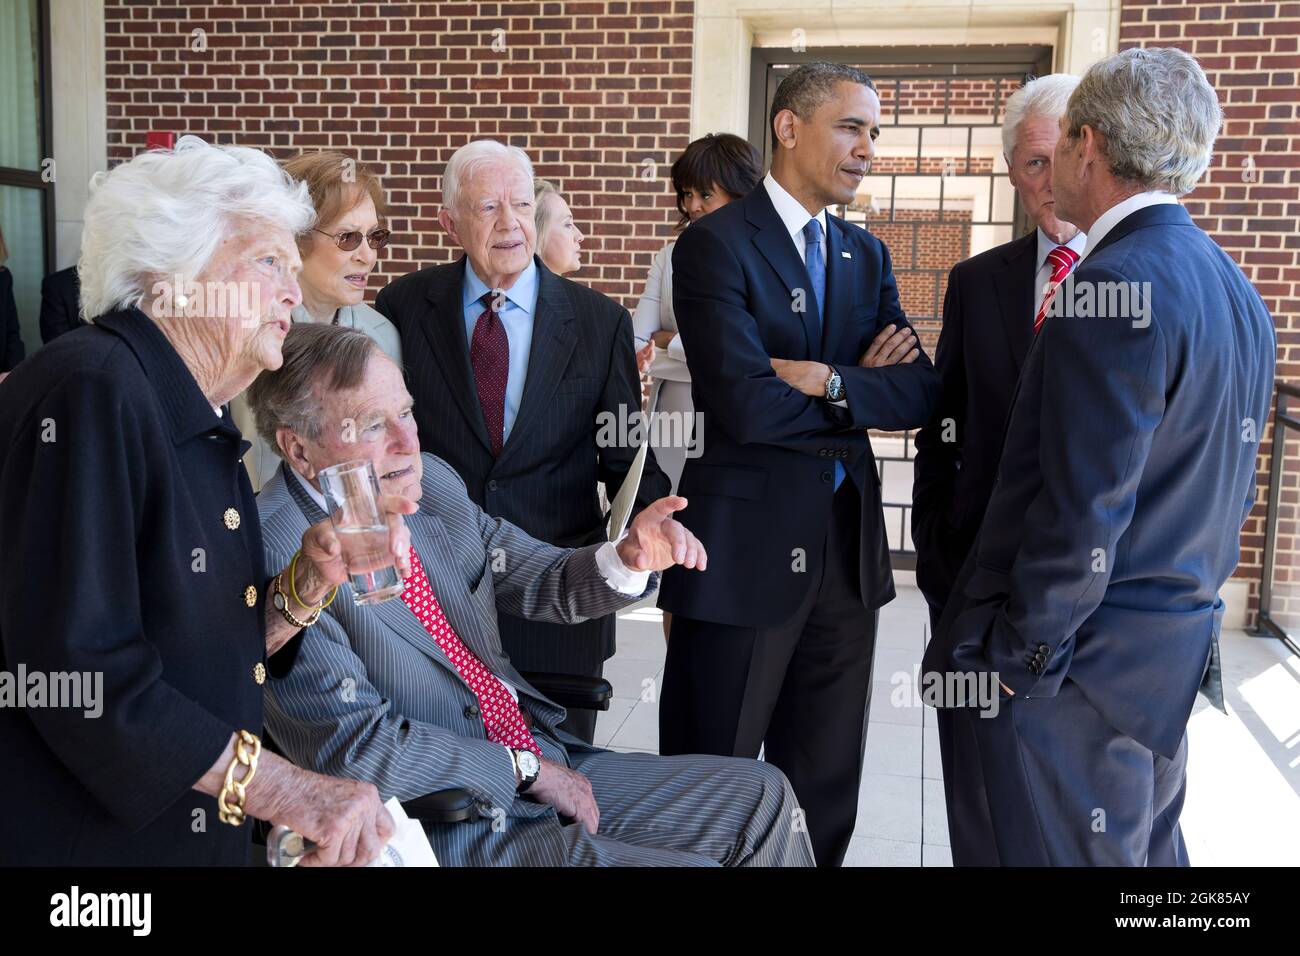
(1044,272)
(1122,210)
(794,217)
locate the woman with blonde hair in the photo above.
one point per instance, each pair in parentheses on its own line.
(559,240)
(339,252)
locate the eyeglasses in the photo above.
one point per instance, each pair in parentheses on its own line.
(347,241)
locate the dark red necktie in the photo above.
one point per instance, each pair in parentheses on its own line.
(489,353)
(1062,260)
(501,715)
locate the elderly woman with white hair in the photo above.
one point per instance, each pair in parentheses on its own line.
(135,607)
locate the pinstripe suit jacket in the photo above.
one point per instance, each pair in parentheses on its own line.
(582,363)
(370,694)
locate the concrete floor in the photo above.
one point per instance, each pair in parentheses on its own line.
(1243,803)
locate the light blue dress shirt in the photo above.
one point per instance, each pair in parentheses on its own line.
(517,317)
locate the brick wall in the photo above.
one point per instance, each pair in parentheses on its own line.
(597,92)
(1250,198)
(923,250)
(905,100)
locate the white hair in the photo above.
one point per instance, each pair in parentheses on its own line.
(1043,98)
(165,212)
(464,161)
(1158,112)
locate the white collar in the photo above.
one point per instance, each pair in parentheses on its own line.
(316,496)
(1117,213)
(1046,244)
(793,215)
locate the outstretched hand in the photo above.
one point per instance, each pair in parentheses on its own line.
(656,541)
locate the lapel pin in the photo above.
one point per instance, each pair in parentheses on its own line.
(846,255)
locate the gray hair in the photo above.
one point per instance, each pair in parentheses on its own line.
(317,358)
(1041,98)
(165,212)
(465,160)
(1158,113)
(807,87)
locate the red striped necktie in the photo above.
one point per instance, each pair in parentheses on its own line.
(1062,260)
(501,715)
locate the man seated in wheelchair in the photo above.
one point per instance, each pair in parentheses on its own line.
(414,693)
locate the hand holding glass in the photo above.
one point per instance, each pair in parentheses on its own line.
(352,496)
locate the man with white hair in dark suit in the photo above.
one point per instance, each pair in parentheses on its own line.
(518,375)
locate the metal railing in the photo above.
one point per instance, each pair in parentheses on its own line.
(1270,620)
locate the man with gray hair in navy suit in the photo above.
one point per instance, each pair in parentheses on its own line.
(416,695)
(1091,593)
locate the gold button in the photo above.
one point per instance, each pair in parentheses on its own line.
(259,673)
(250,595)
(231,518)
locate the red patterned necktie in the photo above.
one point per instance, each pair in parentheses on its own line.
(500,712)
(489,353)
(1062,260)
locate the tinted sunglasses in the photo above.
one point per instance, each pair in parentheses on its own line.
(347,241)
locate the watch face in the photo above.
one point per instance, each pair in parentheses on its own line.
(278,599)
(835,387)
(528,763)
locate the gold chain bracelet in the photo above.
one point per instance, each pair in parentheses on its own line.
(233,813)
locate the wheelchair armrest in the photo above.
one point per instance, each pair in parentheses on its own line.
(442,806)
(572,691)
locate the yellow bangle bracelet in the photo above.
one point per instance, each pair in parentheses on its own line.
(293,587)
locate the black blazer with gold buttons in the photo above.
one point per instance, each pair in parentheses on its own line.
(129,549)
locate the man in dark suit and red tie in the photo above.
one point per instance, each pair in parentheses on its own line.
(526,384)
(779,304)
(1089,603)
(993,308)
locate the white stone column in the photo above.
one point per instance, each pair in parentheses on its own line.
(80,111)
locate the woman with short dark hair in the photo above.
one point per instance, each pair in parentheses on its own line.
(711,172)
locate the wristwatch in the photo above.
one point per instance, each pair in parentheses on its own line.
(834,386)
(281,602)
(527,766)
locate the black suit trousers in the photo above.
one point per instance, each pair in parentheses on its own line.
(800,690)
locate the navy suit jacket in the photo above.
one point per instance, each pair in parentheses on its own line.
(988,326)
(760,490)
(1126,476)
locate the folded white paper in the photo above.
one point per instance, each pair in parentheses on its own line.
(409,846)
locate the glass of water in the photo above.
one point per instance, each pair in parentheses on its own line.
(351,492)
